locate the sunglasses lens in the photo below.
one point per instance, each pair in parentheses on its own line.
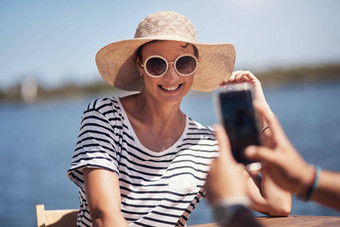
(186,65)
(156,66)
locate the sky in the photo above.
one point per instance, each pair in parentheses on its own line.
(56,41)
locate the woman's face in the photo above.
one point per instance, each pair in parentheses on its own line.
(171,87)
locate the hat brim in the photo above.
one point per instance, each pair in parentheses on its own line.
(117,65)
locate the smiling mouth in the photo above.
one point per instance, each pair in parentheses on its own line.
(170,88)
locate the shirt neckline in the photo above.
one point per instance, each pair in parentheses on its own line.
(134,135)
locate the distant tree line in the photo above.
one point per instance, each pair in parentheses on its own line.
(275,77)
(300,75)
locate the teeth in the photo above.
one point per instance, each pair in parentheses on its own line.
(170,88)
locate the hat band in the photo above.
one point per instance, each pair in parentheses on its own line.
(158,36)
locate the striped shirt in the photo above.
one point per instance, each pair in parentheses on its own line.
(157,188)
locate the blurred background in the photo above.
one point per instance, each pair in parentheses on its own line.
(48,76)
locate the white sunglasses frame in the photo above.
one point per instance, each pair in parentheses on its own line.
(167,65)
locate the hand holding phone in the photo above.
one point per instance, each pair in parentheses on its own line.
(235,111)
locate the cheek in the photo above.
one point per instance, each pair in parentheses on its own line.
(190,80)
(149,81)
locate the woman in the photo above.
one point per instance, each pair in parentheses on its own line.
(139,160)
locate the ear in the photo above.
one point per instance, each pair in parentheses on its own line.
(140,68)
(138,63)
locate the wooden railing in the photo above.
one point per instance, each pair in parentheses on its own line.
(292,220)
(65,218)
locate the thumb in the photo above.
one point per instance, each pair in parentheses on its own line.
(223,142)
(260,153)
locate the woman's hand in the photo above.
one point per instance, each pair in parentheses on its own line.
(246,76)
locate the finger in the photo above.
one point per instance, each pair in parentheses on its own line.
(246,76)
(274,124)
(232,77)
(238,71)
(223,142)
(239,74)
(222,138)
(241,78)
(260,153)
(223,83)
(250,76)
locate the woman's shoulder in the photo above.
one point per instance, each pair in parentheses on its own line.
(103,103)
(105,110)
(105,107)
(199,127)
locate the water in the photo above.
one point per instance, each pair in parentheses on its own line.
(37,142)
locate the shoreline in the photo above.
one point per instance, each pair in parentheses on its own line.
(273,78)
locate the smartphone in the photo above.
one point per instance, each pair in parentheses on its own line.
(235,111)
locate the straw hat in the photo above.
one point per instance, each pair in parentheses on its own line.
(117,65)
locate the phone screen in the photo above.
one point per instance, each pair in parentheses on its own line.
(239,120)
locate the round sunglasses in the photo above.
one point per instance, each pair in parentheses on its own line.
(157,66)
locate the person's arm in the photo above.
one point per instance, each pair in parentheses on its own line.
(103,197)
(226,187)
(266,196)
(290,171)
(328,189)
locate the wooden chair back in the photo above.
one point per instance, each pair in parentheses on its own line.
(55,218)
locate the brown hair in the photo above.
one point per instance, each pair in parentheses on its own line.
(138,53)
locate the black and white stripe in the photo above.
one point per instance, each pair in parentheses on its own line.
(157,188)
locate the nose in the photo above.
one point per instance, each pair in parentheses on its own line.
(171,74)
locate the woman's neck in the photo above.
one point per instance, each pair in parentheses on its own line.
(164,121)
(158,112)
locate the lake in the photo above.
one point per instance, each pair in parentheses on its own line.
(37,143)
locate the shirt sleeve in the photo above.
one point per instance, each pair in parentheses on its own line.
(95,148)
